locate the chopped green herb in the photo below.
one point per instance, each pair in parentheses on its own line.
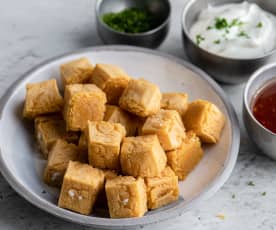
(217,41)
(199,39)
(132,20)
(251,183)
(221,23)
(233,196)
(264,193)
(236,22)
(259,25)
(243,34)
(209,28)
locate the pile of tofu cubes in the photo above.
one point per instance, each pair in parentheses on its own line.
(115,140)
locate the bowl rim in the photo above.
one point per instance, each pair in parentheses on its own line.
(146,33)
(258,73)
(126,223)
(185,30)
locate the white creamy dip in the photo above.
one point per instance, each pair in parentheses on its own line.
(241,30)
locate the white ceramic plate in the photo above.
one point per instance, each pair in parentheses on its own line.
(22,165)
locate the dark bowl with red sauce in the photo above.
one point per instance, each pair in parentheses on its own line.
(264,106)
(259,109)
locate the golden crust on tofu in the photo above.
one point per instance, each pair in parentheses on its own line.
(80,188)
(104,140)
(109,174)
(76,72)
(162,190)
(126,197)
(42,98)
(185,159)
(106,72)
(175,101)
(83,103)
(111,79)
(48,129)
(168,126)
(141,97)
(205,119)
(115,114)
(59,157)
(142,156)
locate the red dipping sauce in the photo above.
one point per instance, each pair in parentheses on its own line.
(264,106)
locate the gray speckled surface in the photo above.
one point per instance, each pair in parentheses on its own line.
(35,30)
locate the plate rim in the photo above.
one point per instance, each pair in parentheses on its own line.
(210,190)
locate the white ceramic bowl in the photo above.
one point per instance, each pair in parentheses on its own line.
(22,166)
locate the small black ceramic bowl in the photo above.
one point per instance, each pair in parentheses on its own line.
(160,9)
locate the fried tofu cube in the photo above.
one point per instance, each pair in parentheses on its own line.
(142,156)
(168,126)
(126,197)
(77,71)
(80,188)
(59,157)
(141,98)
(115,114)
(104,140)
(162,190)
(112,80)
(205,119)
(83,103)
(185,159)
(42,98)
(50,128)
(175,101)
(109,174)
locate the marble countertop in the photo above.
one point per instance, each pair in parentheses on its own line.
(35,30)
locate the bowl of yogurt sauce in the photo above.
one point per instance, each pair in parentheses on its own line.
(230,39)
